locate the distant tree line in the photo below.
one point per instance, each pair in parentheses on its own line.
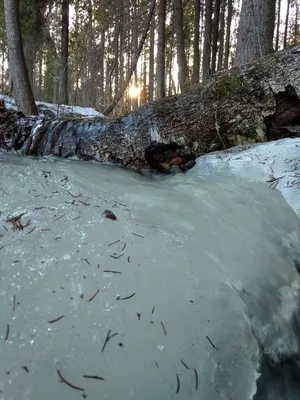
(115,55)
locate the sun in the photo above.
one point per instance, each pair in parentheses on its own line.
(134,91)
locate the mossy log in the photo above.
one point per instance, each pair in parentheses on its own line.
(254,103)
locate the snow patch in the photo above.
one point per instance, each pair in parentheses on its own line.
(53,110)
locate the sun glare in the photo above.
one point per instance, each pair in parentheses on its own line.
(134,91)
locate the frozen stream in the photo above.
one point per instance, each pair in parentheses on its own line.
(203,279)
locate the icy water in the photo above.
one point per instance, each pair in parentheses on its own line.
(189,294)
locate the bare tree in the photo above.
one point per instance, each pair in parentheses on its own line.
(256,29)
(22,90)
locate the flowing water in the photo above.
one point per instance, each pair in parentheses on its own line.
(201,301)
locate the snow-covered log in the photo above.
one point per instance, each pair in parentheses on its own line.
(254,103)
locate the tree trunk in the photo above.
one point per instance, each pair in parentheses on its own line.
(169,66)
(207,41)
(256,29)
(64,52)
(183,74)
(228,32)
(215,35)
(221,36)
(196,47)
(21,85)
(161,44)
(132,68)
(286,23)
(296,25)
(134,46)
(117,58)
(144,91)
(40,75)
(245,105)
(29,49)
(50,69)
(101,69)
(151,61)
(122,42)
(278,25)
(32,29)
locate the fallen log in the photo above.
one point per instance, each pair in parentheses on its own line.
(254,103)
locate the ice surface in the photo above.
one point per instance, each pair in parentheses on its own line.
(210,263)
(276,163)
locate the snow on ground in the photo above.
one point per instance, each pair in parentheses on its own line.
(50,109)
(68,110)
(275,163)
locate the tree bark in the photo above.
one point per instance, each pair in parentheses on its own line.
(50,69)
(221,36)
(32,28)
(244,105)
(151,61)
(30,49)
(196,47)
(256,29)
(207,41)
(64,98)
(101,51)
(228,32)
(296,24)
(215,35)
(161,45)
(278,25)
(144,91)
(183,74)
(122,42)
(21,85)
(287,15)
(134,47)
